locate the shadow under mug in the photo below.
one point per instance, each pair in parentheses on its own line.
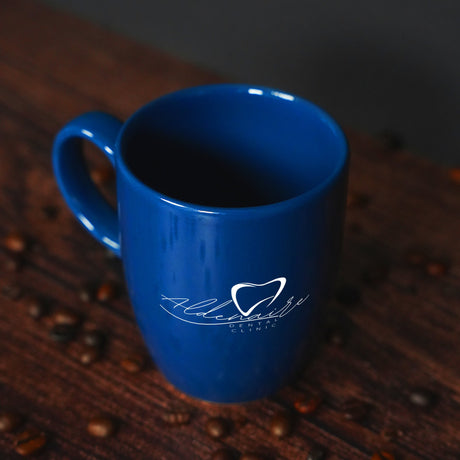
(229,224)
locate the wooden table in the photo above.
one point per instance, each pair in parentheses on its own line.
(394,340)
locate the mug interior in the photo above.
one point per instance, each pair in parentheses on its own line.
(232,146)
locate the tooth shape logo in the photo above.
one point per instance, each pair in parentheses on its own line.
(237,287)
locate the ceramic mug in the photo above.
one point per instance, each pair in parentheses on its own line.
(229,224)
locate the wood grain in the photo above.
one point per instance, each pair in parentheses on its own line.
(403,334)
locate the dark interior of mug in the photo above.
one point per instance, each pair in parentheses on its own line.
(231,146)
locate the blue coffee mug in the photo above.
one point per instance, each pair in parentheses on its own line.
(229,224)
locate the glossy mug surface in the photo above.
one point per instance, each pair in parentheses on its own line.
(229,225)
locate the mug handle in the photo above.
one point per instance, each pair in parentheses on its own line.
(71,171)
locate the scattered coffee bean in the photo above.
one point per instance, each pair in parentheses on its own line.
(66,316)
(106,292)
(181,417)
(382,455)
(316,453)
(14,263)
(357,199)
(94,338)
(90,355)
(102,175)
(421,397)
(307,406)
(9,421)
(62,333)
(454,175)
(101,426)
(50,211)
(30,442)
(11,291)
(15,242)
(86,293)
(36,307)
(133,363)
(348,295)
(223,454)
(216,427)
(281,424)
(355,410)
(436,268)
(391,140)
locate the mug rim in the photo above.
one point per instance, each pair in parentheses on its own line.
(294,201)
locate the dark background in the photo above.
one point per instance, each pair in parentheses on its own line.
(374,65)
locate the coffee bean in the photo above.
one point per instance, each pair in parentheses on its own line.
(382,455)
(316,453)
(50,211)
(421,397)
(281,424)
(102,175)
(357,199)
(355,410)
(94,338)
(133,363)
(11,291)
(436,268)
(62,333)
(106,292)
(9,421)
(102,426)
(90,355)
(30,442)
(66,316)
(223,454)
(216,427)
(14,263)
(15,242)
(391,140)
(454,175)
(307,406)
(180,417)
(348,295)
(36,307)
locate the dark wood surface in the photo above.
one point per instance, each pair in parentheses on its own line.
(402,335)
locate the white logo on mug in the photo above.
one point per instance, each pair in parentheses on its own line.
(231,312)
(239,286)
